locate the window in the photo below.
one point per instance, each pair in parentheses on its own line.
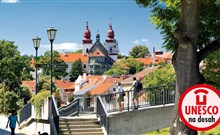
(84,65)
(87,50)
(114,89)
(103,66)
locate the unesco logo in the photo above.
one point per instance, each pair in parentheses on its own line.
(199,107)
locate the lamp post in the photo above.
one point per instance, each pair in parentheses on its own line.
(36,42)
(51,33)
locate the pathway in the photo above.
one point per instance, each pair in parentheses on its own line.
(6,131)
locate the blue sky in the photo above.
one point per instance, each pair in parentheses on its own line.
(22,20)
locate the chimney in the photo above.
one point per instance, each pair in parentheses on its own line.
(154,57)
(84,77)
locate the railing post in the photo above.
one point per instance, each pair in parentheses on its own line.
(163,96)
(78,108)
(128,99)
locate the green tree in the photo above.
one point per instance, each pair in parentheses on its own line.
(118,68)
(44,83)
(76,70)
(11,101)
(123,66)
(139,51)
(120,56)
(58,73)
(78,51)
(134,65)
(26,74)
(210,69)
(75,52)
(192,33)
(25,94)
(158,78)
(11,65)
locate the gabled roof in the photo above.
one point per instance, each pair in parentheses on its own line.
(69,58)
(65,85)
(139,75)
(167,55)
(88,86)
(112,79)
(101,88)
(102,49)
(97,52)
(149,60)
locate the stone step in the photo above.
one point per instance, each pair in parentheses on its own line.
(81,130)
(82,133)
(81,126)
(78,122)
(78,119)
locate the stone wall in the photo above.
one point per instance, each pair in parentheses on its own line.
(141,121)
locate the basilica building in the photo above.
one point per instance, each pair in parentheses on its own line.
(96,57)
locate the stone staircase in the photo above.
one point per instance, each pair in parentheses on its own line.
(80,126)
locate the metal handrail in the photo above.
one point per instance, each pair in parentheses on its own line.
(70,109)
(25,112)
(54,120)
(152,96)
(102,113)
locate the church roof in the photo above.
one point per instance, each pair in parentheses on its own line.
(97,52)
(101,49)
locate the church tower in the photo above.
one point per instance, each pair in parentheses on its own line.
(86,42)
(111,43)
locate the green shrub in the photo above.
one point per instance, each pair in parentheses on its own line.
(37,101)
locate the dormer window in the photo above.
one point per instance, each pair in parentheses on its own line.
(97,52)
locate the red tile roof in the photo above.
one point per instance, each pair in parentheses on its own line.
(30,84)
(105,85)
(112,80)
(149,60)
(69,58)
(90,84)
(167,55)
(139,75)
(100,89)
(65,85)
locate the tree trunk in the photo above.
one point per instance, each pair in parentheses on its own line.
(185,59)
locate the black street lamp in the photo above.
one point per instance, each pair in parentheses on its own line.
(36,42)
(51,33)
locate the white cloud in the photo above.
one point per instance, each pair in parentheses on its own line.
(139,41)
(10,1)
(144,40)
(136,41)
(64,46)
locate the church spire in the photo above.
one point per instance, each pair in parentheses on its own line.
(87,35)
(97,36)
(110,33)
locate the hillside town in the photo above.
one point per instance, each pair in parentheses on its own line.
(97,58)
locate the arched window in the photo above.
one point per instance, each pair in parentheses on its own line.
(87,50)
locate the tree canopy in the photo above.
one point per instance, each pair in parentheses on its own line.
(158,78)
(128,66)
(190,28)
(76,70)
(139,51)
(11,65)
(58,73)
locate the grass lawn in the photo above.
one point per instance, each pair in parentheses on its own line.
(165,131)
